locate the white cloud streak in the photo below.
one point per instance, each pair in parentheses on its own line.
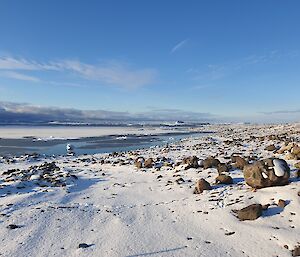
(18,76)
(111,73)
(179,45)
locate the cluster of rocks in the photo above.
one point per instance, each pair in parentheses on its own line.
(46,174)
(141,162)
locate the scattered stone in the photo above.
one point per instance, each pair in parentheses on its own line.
(191,162)
(270,148)
(83,245)
(148,163)
(210,162)
(222,168)
(251,212)
(224,179)
(179,181)
(297,165)
(201,185)
(281,203)
(296,251)
(13,226)
(238,162)
(229,233)
(139,164)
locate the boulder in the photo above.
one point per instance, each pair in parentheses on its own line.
(266,173)
(224,179)
(201,185)
(238,162)
(210,162)
(296,251)
(251,212)
(270,148)
(222,168)
(191,162)
(138,164)
(148,163)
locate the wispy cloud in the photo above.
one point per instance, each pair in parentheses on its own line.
(281,112)
(215,72)
(109,73)
(179,45)
(18,76)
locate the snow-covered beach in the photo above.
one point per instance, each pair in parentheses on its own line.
(121,204)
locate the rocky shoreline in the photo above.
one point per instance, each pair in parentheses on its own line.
(233,193)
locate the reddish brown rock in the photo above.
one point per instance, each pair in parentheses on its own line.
(238,162)
(251,212)
(224,179)
(210,162)
(201,185)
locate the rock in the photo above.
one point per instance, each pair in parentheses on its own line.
(281,203)
(210,162)
(179,181)
(285,148)
(201,185)
(222,168)
(290,156)
(297,165)
(191,162)
(295,150)
(238,162)
(83,245)
(138,164)
(265,173)
(251,212)
(224,179)
(270,148)
(296,251)
(13,226)
(148,163)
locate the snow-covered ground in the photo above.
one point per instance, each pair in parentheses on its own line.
(114,209)
(69,132)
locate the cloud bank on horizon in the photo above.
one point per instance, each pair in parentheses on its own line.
(26,113)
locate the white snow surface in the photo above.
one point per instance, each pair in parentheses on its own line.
(62,132)
(121,211)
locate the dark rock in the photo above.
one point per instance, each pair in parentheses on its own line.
(13,226)
(83,245)
(251,212)
(179,181)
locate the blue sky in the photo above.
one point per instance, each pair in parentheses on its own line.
(219,59)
